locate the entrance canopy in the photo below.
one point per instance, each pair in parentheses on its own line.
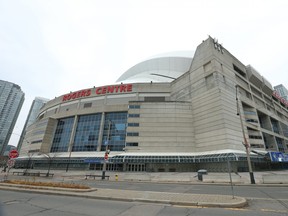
(214,156)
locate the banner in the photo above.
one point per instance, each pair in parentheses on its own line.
(278,157)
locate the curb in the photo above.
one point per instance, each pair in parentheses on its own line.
(15,186)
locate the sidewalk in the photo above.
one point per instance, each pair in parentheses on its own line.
(201,200)
(204,200)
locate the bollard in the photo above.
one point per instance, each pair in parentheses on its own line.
(116,177)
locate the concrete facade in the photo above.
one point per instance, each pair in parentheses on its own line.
(195,114)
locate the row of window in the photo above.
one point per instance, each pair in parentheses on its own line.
(175,159)
(133,124)
(131,144)
(133,115)
(249,113)
(251,120)
(132,134)
(134,106)
(255,137)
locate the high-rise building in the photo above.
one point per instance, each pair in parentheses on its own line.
(37,104)
(11,101)
(282,91)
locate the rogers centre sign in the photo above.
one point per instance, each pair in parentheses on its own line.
(103,90)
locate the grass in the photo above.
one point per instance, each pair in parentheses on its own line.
(48,184)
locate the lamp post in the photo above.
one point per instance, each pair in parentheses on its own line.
(69,160)
(245,143)
(106,151)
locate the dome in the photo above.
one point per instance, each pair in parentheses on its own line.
(161,68)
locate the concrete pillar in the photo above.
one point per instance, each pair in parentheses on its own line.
(101,129)
(72,136)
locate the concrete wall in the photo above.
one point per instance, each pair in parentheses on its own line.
(163,127)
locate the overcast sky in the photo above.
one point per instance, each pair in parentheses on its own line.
(52,47)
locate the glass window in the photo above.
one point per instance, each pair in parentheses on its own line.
(132,144)
(132,134)
(134,106)
(133,115)
(87,105)
(114,133)
(62,135)
(133,124)
(87,132)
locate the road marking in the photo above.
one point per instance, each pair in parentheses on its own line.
(188,206)
(273,210)
(11,202)
(235,209)
(270,199)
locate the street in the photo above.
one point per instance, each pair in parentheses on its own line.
(262,200)
(273,199)
(24,204)
(247,191)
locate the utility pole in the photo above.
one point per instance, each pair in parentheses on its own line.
(106,151)
(245,143)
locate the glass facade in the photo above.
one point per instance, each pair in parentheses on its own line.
(62,135)
(114,131)
(11,100)
(87,133)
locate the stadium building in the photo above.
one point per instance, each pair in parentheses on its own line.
(166,114)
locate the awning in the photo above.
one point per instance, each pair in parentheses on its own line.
(181,158)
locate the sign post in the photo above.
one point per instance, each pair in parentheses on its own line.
(11,162)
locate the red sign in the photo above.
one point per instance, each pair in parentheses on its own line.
(13,153)
(114,89)
(103,90)
(10,163)
(74,95)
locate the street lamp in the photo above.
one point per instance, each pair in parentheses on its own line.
(106,151)
(245,143)
(69,160)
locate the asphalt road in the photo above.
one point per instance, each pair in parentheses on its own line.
(261,198)
(247,191)
(24,204)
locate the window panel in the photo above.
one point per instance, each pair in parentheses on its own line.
(114,133)
(62,135)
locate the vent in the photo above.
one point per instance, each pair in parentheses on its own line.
(154,99)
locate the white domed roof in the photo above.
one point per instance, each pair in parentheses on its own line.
(161,68)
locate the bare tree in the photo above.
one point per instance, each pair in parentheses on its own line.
(50,157)
(29,165)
